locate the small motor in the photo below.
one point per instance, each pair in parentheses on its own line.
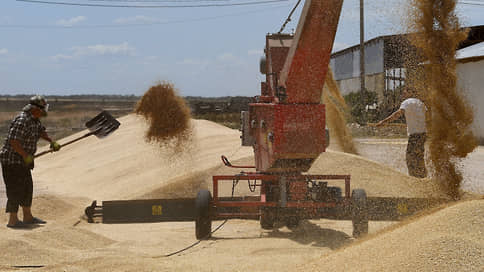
(319,191)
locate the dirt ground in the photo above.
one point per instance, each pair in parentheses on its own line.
(123,166)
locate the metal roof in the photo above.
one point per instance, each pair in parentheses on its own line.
(475,35)
(471,52)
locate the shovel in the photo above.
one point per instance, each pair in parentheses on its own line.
(101,126)
(387,124)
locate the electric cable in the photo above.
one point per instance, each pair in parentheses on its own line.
(471,2)
(252,187)
(152,6)
(158,1)
(237,14)
(288,17)
(212,232)
(196,243)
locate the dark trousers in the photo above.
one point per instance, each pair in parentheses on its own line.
(416,155)
(19,187)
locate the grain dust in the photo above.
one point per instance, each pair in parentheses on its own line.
(168,116)
(451,138)
(336,110)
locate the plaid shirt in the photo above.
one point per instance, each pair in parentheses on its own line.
(27,130)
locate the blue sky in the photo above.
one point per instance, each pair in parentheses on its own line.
(54,49)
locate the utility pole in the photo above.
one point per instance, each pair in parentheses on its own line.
(363,94)
(362,48)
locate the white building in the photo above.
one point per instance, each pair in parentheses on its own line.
(385,74)
(470,80)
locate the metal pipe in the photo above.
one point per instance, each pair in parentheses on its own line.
(283,190)
(362,47)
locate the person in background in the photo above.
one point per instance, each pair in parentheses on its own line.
(414,111)
(17,159)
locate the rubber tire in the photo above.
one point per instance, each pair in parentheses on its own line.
(267,219)
(203,222)
(359,211)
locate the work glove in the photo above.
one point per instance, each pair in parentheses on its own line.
(29,161)
(55,146)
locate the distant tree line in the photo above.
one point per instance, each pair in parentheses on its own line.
(76,96)
(120,96)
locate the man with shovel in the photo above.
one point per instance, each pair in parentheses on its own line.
(17,159)
(414,111)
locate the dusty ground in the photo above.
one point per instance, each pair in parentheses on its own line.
(123,166)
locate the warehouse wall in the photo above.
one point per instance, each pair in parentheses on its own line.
(375,83)
(346,65)
(471,81)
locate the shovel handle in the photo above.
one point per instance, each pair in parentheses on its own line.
(387,124)
(68,143)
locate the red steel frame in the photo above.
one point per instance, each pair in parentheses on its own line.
(216,202)
(288,123)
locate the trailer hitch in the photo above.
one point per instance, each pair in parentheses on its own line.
(93,211)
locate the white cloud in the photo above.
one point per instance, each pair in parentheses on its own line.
(3,51)
(103,49)
(123,49)
(59,57)
(136,20)
(256,52)
(192,62)
(71,21)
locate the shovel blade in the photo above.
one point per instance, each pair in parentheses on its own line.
(103,124)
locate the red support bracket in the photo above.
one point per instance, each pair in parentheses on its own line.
(262,202)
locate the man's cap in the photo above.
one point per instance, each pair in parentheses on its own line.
(37,101)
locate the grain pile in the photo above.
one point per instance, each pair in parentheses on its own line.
(448,240)
(125,166)
(110,169)
(336,110)
(168,116)
(451,138)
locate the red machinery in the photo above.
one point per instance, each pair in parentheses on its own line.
(286,127)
